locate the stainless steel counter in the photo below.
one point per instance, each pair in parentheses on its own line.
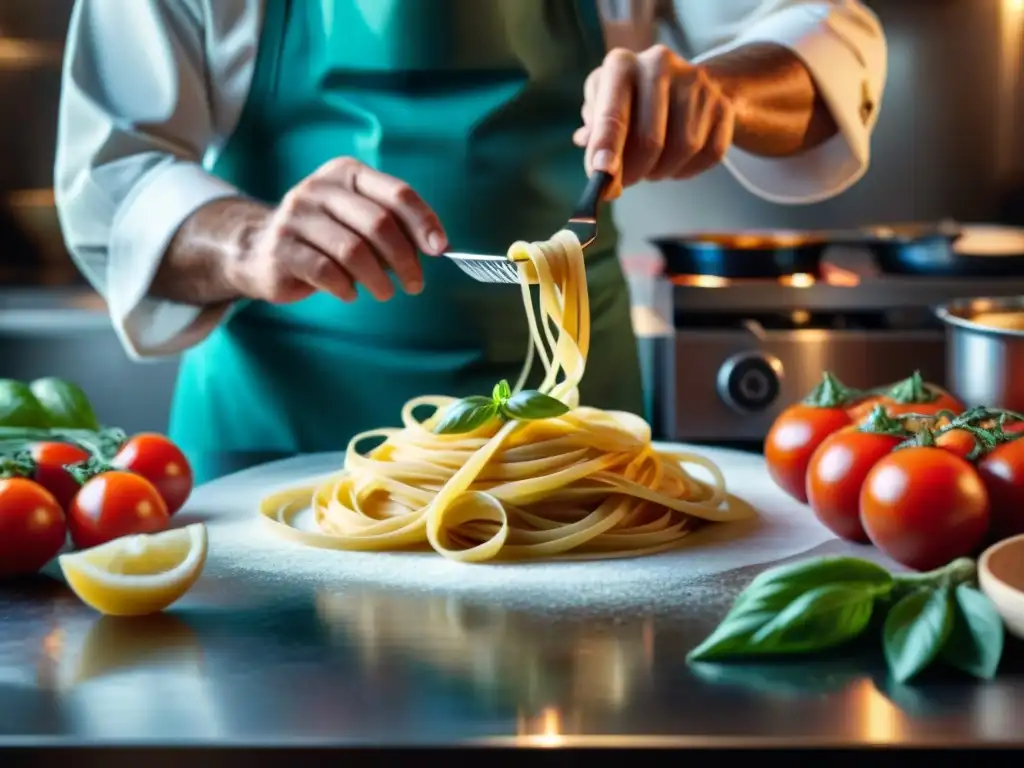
(287,666)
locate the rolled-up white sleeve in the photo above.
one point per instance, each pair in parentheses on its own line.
(135,120)
(843,46)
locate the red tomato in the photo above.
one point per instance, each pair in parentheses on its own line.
(835,476)
(50,460)
(1014,427)
(958,441)
(115,504)
(924,506)
(162,463)
(792,440)
(1002,471)
(912,395)
(32,526)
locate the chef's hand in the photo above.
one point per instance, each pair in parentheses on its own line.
(345,224)
(654,116)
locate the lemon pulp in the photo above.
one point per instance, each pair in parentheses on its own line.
(137,575)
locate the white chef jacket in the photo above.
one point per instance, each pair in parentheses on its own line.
(153,89)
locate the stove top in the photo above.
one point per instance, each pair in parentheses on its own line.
(849,283)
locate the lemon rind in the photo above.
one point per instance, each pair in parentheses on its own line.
(195,560)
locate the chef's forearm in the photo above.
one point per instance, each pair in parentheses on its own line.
(779,112)
(196,268)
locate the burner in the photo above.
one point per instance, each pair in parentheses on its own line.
(828,274)
(743,256)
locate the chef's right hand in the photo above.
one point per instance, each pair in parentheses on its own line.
(343,225)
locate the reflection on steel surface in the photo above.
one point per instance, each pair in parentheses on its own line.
(509,653)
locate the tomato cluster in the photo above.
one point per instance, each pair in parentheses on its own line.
(904,468)
(137,490)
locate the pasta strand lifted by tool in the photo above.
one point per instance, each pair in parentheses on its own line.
(484,479)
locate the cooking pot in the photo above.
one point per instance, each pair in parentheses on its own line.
(984,363)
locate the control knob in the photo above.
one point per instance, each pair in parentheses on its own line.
(749,381)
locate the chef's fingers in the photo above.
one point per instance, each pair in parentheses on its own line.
(347,249)
(361,262)
(718,135)
(613,106)
(416,216)
(381,229)
(312,267)
(298,247)
(646,138)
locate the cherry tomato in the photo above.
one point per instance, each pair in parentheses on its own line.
(161,462)
(958,441)
(912,395)
(924,506)
(835,476)
(792,440)
(32,526)
(1002,472)
(1014,427)
(50,460)
(115,504)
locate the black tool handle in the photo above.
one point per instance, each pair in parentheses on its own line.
(586,208)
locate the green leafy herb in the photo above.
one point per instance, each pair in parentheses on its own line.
(502,392)
(473,412)
(19,407)
(530,405)
(915,630)
(822,603)
(822,570)
(65,403)
(467,415)
(975,645)
(800,607)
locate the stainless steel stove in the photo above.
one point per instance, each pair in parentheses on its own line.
(722,358)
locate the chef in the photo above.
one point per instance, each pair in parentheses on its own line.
(266,185)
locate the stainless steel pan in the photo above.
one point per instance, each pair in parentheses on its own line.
(985,364)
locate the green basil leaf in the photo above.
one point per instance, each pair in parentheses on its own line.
(19,407)
(731,637)
(65,403)
(502,392)
(821,618)
(915,630)
(975,645)
(466,415)
(530,405)
(818,619)
(818,571)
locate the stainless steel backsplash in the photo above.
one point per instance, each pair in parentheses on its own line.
(950,141)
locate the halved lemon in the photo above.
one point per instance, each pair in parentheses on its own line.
(137,575)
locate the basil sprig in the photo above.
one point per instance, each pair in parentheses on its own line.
(471,413)
(822,603)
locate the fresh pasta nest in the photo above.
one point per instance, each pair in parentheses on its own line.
(519,475)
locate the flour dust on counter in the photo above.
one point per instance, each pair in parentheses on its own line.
(242,545)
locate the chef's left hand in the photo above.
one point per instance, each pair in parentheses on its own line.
(653,116)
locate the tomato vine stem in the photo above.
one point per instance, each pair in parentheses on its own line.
(912,390)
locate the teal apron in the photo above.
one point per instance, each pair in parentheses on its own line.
(471,102)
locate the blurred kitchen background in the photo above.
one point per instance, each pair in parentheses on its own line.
(950,144)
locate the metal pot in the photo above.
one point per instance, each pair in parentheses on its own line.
(984,364)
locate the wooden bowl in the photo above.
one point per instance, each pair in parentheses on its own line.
(1001,577)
